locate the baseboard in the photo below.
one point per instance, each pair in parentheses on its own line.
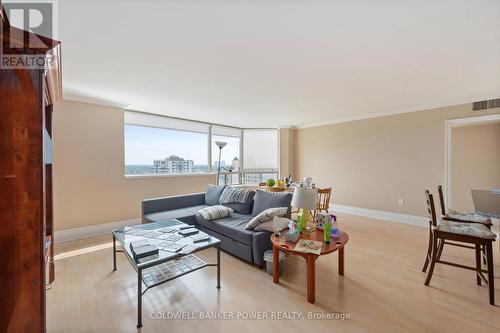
(93,230)
(420,221)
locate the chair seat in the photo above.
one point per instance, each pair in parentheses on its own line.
(470,229)
(454,215)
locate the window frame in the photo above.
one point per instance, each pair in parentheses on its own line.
(209,145)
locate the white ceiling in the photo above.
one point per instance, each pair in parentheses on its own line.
(259,63)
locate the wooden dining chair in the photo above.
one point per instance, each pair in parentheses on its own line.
(323,200)
(455,216)
(466,233)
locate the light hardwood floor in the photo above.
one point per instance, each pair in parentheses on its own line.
(382,290)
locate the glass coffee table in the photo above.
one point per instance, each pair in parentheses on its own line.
(166,265)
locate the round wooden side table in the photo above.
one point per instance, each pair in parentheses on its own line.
(280,244)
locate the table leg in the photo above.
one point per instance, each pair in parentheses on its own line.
(311,277)
(218,267)
(276,266)
(491,276)
(139,298)
(114,253)
(341,261)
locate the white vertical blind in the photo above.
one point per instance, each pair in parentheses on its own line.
(260,149)
(226,131)
(151,120)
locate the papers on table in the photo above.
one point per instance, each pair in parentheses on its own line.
(200,237)
(308,246)
(136,232)
(188,249)
(153,234)
(189,231)
(168,230)
(139,243)
(173,247)
(169,238)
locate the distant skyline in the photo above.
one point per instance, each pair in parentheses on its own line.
(143,145)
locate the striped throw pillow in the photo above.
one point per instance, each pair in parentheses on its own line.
(214,212)
(234,195)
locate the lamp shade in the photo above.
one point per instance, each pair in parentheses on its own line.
(304,198)
(220,144)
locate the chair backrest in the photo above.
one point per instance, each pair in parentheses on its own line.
(431,209)
(441,200)
(275,189)
(323,200)
(262,184)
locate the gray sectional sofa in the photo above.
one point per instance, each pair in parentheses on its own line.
(248,245)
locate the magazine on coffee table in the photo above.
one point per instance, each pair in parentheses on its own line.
(308,246)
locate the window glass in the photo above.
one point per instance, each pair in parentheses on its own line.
(157,151)
(229,158)
(260,155)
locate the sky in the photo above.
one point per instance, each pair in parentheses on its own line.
(145,144)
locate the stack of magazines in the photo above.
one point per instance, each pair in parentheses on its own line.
(141,249)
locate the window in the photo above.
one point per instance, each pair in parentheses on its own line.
(156,145)
(159,145)
(260,155)
(230,154)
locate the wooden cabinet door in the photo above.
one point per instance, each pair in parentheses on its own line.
(22,275)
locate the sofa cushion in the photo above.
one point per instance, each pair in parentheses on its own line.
(186,215)
(264,200)
(242,208)
(170,214)
(232,226)
(211,213)
(195,209)
(213,194)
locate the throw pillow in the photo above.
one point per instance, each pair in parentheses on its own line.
(282,223)
(214,212)
(266,215)
(264,200)
(233,194)
(213,194)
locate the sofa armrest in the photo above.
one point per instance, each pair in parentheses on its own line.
(169,203)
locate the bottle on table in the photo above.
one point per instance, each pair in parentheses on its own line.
(300,221)
(327,232)
(335,227)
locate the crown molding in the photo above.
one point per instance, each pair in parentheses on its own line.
(69,96)
(424,107)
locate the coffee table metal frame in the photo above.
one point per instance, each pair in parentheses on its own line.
(163,257)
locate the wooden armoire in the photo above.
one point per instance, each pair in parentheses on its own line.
(26,214)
